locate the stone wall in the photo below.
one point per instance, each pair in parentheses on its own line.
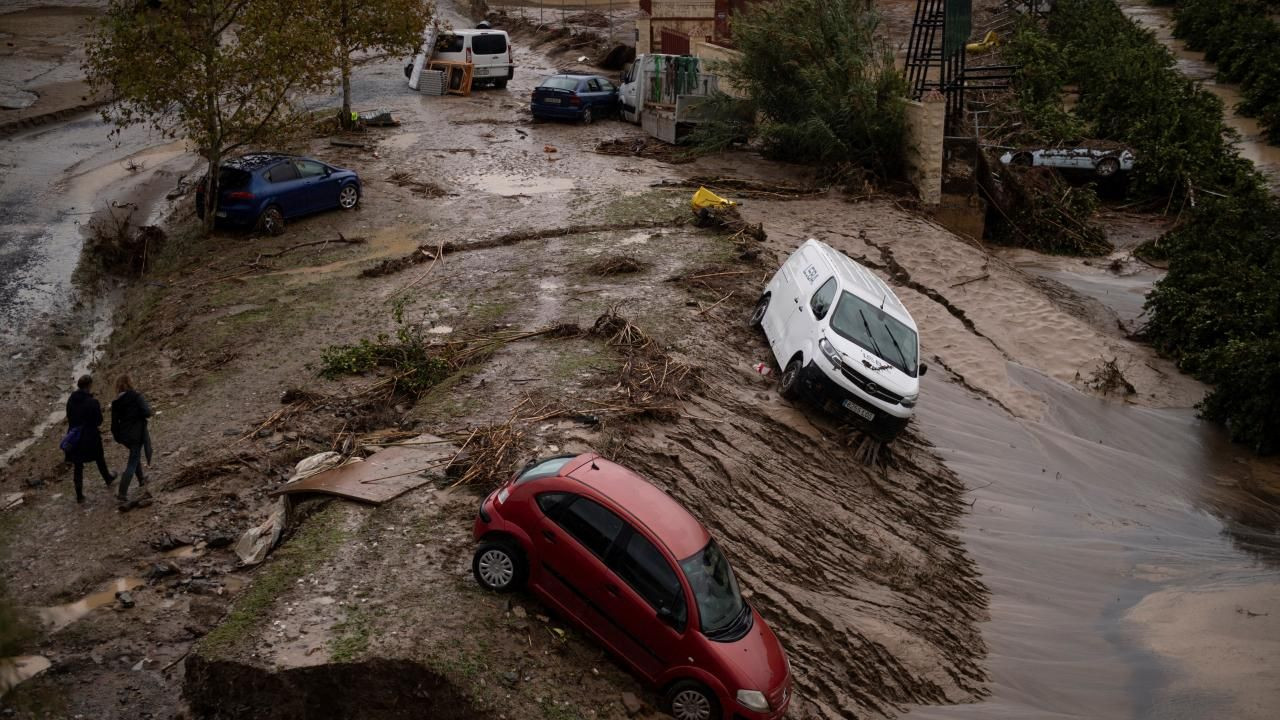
(926,121)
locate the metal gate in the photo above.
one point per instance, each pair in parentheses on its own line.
(674,43)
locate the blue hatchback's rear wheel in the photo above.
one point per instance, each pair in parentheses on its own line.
(271,221)
(586,116)
(349,197)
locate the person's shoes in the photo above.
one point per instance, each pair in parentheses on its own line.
(111,479)
(141,481)
(79,499)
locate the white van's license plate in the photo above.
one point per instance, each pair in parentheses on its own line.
(858,410)
(482,71)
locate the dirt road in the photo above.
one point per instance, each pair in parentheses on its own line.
(1097,524)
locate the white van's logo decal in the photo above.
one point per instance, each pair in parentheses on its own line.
(811,273)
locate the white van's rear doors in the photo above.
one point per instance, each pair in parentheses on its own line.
(490,55)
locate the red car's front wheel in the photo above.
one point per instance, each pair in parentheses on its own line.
(499,566)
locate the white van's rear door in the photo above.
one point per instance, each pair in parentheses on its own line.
(489,55)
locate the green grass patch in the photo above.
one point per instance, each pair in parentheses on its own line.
(302,554)
(351,636)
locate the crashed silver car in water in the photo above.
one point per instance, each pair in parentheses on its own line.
(1105,162)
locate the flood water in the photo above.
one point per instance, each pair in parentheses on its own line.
(1253,145)
(59,616)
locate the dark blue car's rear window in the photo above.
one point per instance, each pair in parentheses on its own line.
(560,83)
(232,178)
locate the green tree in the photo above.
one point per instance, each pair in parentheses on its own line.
(392,26)
(824,90)
(220,73)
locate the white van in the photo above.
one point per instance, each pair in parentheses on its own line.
(488,51)
(843,338)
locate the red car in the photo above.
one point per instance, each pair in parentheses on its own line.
(618,556)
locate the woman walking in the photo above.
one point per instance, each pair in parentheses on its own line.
(83,442)
(129,413)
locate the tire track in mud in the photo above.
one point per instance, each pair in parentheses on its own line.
(856,568)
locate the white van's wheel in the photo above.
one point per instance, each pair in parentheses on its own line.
(789,387)
(757,316)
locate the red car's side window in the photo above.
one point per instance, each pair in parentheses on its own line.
(586,520)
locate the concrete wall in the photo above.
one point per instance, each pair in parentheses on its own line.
(926,122)
(710,52)
(695,18)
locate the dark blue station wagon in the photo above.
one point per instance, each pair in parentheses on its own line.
(575,97)
(265,189)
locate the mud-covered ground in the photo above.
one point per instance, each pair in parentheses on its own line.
(863,571)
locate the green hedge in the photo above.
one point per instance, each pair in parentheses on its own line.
(1130,92)
(1241,37)
(1217,312)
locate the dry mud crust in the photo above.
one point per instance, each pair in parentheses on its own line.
(372,690)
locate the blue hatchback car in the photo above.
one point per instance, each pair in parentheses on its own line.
(265,189)
(574,97)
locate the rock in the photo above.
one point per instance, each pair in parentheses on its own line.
(519,612)
(160,570)
(125,598)
(220,540)
(631,704)
(510,678)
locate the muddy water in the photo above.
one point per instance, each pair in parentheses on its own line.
(1119,543)
(1253,145)
(59,616)
(16,670)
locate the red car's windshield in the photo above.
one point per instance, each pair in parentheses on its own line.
(715,589)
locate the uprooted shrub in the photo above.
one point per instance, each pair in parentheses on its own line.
(826,91)
(1036,208)
(120,247)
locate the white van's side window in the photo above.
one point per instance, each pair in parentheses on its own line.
(822,299)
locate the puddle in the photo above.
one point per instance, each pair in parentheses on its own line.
(17,670)
(400,142)
(640,238)
(511,185)
(395,240)
(185,551)
(1253,146)
(59,616)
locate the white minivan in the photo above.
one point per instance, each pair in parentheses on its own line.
(488,51)
(842,338)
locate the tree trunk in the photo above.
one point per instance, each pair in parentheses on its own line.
(211,191)
(344,22)
(347,122)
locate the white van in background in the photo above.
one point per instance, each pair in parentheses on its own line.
(842,338)
(488,51)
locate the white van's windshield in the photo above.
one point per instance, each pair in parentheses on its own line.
(871,328)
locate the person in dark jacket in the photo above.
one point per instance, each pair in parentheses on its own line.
(84,415)
(129,413)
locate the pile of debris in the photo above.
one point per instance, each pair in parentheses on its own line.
(118,245)
(421,187)
(645,147)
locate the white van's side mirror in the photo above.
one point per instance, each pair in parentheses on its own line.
(923,369)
